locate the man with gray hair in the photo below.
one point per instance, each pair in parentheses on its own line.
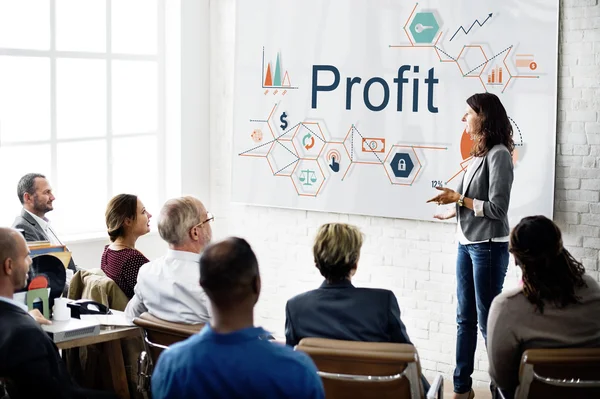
(168,287)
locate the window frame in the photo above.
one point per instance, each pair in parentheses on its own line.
(52,54)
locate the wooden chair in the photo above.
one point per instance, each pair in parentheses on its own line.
(559,373)
(158,335)
(564,373)
(352,369)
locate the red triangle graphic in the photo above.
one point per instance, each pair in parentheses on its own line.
(268,78)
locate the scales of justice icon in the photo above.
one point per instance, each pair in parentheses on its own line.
(308,177)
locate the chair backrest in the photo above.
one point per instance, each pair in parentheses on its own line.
(95,285)
(365,369)
(160,334)
(560,373)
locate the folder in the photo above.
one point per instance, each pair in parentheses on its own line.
(58,251)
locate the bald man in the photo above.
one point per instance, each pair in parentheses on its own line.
(230,358)
(29,360)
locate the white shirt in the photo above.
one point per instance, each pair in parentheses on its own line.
(45,225)
(169,288)
(477,209)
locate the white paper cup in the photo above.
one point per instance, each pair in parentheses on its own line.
(61,311)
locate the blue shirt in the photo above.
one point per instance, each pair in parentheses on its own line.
(234,365)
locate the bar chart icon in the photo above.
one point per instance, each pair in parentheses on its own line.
(495,77)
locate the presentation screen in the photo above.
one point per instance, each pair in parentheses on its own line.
(356,106)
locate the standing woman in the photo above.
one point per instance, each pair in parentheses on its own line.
(126,220)
(482,201)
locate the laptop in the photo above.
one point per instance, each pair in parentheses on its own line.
(60,331)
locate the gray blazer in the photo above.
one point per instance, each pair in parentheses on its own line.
(32,231)
(491,182)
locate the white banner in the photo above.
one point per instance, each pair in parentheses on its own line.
(355,106)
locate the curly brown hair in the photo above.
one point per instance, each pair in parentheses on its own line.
(495,126)
(550,273)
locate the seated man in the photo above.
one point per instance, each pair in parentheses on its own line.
(230,358)
(35,195)
(168,286)
(29,360)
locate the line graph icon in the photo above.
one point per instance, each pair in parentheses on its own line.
(471,27)
(472,59)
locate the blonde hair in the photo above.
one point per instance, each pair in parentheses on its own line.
(177,217)
(337,249)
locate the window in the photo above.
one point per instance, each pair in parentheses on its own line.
(83,100)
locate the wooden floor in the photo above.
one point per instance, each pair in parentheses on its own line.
(480,393)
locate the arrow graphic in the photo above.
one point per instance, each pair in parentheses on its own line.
(471,27)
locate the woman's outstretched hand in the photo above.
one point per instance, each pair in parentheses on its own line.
(447,196)
(445,216)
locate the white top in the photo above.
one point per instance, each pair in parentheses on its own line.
(45,225)
(477,209)
(13,302)
(169,288)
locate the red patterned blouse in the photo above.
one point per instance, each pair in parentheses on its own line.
(122,267)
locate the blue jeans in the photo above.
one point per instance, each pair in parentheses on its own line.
(480,272)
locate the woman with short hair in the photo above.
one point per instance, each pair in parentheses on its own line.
(126,220)
(557,306)
(337,309)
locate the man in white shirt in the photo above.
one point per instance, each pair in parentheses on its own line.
(169,287)
(35,194)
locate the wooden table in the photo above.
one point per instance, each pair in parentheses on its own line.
(110,340)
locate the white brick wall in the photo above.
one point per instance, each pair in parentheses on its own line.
(414,259)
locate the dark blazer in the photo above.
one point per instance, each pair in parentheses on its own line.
(32,231)
(29,358)
(342,311)
(491,183)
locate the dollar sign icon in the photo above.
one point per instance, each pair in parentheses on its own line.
(284,122)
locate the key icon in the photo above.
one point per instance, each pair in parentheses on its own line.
(420,28)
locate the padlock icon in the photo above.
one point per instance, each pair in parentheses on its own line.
(402,165)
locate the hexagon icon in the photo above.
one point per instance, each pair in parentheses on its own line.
(402,165)
(471,61)
(308,140)
(496,76)
(308,177)
(424,27)
(334,160)
(282,158)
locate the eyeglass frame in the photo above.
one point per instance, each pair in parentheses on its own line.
(210,217)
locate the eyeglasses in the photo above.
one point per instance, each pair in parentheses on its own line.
(209,218)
